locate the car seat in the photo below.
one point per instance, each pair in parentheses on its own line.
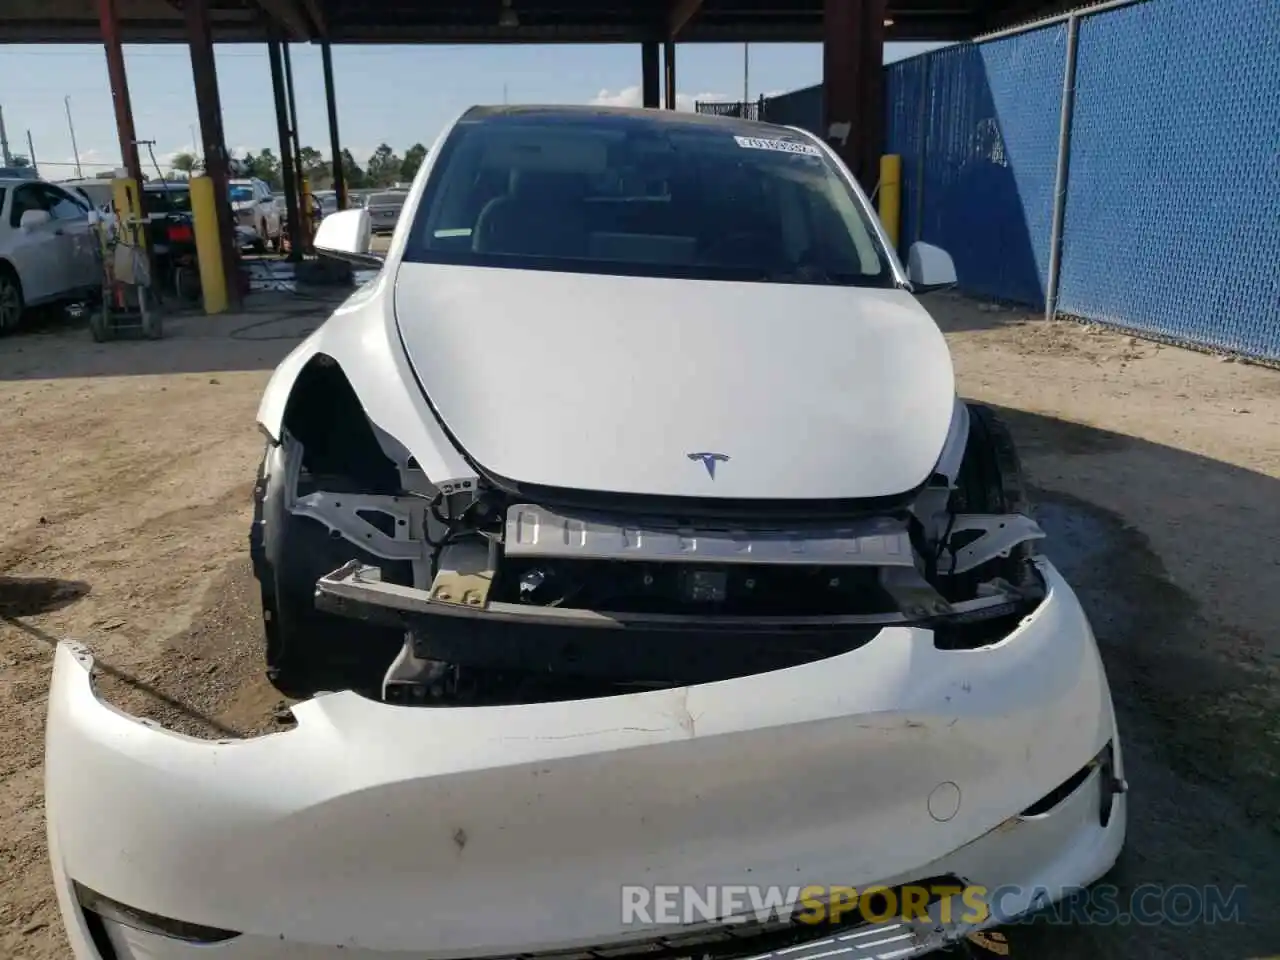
(540,215)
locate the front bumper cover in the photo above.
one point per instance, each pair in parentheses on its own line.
(378,831)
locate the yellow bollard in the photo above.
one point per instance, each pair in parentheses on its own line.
(305,203)
(127,200)
(891,196)
(204,214)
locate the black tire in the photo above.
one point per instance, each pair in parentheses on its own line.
(12,306)
(186,283)
(307,650)
(991,481)
(991,478)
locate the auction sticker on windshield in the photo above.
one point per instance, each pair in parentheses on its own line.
(782,146)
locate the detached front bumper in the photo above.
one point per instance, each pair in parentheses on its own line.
(373,831)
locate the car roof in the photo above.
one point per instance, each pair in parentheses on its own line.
(629,116)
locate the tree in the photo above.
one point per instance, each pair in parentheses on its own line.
(413,158)
(315,168)
(351,171)
(265,166)
(384,167)
(187,163)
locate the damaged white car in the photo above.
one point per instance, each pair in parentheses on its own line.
(624,531)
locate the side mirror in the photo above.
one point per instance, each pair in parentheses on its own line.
(930,268)
(34,218)
(346,235)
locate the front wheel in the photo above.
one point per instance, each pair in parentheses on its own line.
(308,650)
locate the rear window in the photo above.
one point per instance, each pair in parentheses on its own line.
(169,200)
(626,194)
(386,200)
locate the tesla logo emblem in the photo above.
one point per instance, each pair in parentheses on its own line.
(709,460)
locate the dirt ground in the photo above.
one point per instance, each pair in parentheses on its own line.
(125,503)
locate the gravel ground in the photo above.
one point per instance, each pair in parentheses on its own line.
(125,506)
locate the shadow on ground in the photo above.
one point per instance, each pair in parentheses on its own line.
(29,596)
(1198,729)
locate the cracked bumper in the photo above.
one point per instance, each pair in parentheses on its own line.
(372,831)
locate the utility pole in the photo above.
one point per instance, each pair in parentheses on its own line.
(31,154)
(72,127)
(4,142)
(746,77)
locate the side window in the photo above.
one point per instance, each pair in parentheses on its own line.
(64,206)
(26,197)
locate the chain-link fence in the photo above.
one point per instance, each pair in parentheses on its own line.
(800,108)
(1120,164)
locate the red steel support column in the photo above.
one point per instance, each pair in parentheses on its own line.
(288,170)
(853,83)
(649,72)
(331,104)
(109,23)
(303,216)
(209,108)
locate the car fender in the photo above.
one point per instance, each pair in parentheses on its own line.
(361,337)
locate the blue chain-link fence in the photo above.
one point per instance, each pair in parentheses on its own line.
(1172,220)
(1171,199)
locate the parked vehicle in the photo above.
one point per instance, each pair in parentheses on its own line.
(626,528)
(328,202)
(97,193)
(47,250)
(256,209)
(384,209)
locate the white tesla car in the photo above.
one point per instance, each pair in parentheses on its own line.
(625,532)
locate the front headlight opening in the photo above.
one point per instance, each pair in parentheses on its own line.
(97,908)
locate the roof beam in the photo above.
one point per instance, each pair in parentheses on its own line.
(681,12)
(290,17)
(317,16)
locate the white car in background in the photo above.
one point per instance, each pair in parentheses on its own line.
(256,208)
(625,529)
(48,251)
(97,193)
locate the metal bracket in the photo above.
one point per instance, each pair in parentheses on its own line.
(1000,534)
(465,574)
(341,513)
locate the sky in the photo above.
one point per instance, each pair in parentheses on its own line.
(399,95)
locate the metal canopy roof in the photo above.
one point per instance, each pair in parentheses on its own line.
(492,21)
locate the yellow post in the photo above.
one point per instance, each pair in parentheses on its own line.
(891,196)
(305,204)
(204,214)
(127,200)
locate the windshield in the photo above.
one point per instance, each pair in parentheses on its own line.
(625,193)
(240,193)
(167,200)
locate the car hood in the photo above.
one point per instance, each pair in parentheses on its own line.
(620,384)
